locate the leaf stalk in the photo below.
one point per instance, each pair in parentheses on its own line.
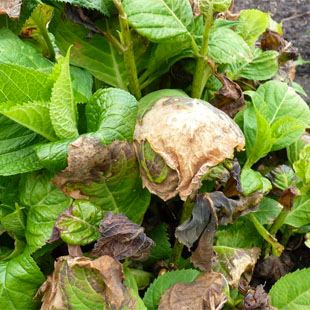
(129,57)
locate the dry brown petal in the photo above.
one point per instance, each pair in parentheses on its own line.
(121,238)
(191,136)
(229,98)
(105,279)
(11,8)
(205,293)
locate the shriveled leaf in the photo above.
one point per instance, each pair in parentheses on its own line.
(161,20)
(205,292)
(194,122)
(20,279)
(253,24)
(282,177)
(62,106)
(229,98)
(113,113)
(11,8)
(164,282)
(33,115)
(268,211)
(106,175)
(121,238)
(16,52)
(82,283)
(36,27)
(44,203)
(292,292)
(226,209)
(79,224)
(235,264)
(258,299)
(216,5)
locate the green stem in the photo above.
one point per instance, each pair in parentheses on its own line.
(286,235)
(278,222)
(203,70)
(178,246)
(276,246)
(129,57)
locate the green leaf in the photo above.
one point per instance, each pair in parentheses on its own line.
(300,213)
(16,52)
(103,6)
(251,181)
(62,107)
(302,167)
(241,234)
(285,131)
(36,27)
(217,5)
(295,148)
(82,83)
(274,26)
(262,66)
(20,279)
(161,20)
(15,221)
(162,283)
(44,203)
(299,89)
(79,224)
(268,211)
(280,101)
(142,278)
(292,292)
(162,248)
(33,115)
(20,84)
(282,177)
(253,24)
(257,133)
(225,46)
(113,113)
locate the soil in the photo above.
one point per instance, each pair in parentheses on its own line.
(295,15)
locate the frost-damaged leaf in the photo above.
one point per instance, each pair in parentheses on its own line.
(36,27)
(106,175)
(79,224)
(11,8)
(121,238)
(227,210)
(62,106)
(257,299)
(229,98)
(235,264)
(197,125)
(206,292)
(82,283)
(20,278)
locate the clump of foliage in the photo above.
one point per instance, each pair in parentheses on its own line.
(106,106)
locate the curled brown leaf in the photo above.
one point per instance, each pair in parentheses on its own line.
(257,299)
(121,238)
(11,8)
(191,136)
(205,293)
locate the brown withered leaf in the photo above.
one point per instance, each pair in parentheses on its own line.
(227,210)
(257,299)
(229,98)
(287,197)
(233,185)
(205,293)
(99,284)
(11,8)
(191,136)
(121,238)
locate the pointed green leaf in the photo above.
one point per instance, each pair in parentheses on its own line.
(161,20)
(44,203)
(33,115)
(62,107)
(20,279)
(113,113)
(292,292)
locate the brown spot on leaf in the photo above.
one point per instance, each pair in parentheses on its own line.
(103,276)
(121,238)
(11,8)
(191,136)
(205,293)
(229,98)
